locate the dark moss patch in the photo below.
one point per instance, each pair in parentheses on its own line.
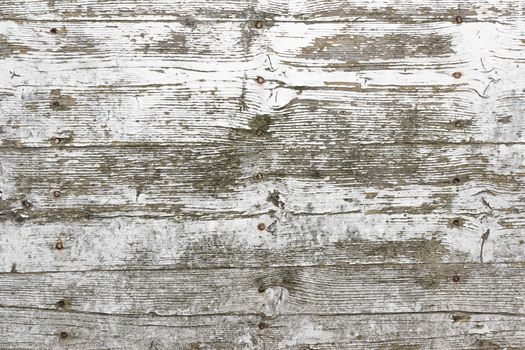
(344,47)
(273,197)
(8,48)
(61,102)
(260,122)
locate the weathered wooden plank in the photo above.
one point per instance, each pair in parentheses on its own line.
(454,330)
(489,288)
(288,240)
(333,10)
(172,114)
(106,83)
(357,45)
(366,192)
(238,177)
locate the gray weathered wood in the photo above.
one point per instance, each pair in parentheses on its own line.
(499,288)
(290,240)
(155,82)
(339,175)
(448,330)
(240,10)
(210,180)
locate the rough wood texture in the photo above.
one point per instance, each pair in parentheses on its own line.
(264,174)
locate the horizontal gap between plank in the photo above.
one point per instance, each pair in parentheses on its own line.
(272,22)
(276,267)
(175,145)
(261,314)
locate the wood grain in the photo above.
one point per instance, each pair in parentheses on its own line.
(318,10)
(200,180)
(489,288)
(386,331)
(157,83)
(260,174)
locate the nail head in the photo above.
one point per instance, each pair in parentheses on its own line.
(260,80)
(57,194)
(63,335)
(258,24)
(53,30)
(459,19)
(455,278)
(261,226)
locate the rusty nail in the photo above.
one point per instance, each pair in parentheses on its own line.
(26,204)
(455,278)
(261,226)
(260,80)
(459,19)
(63,335)
(57,194)
(53,30)
(457,75)
(59,245)
(258,24)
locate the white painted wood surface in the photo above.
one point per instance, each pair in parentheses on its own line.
(262,174)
